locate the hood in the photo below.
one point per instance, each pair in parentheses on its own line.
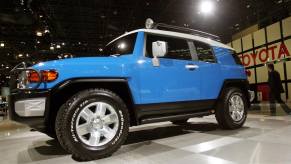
(63,63)
(86,67)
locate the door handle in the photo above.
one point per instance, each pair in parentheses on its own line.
(191,67)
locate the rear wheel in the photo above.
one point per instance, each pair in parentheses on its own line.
(231,110)
(93,124)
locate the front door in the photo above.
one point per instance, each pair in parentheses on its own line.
(176,79)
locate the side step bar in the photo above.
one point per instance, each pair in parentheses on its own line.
(174,117)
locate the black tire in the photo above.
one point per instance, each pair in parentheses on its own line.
(222,111)
(52,135)
(66,121)
(180,122)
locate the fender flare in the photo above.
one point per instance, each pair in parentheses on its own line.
(242,84)
(70,82)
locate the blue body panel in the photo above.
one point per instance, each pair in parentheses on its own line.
(229,69)
(170,82)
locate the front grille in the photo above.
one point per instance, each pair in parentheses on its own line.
(19,80)
(13,81)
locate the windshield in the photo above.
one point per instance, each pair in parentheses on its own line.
(121,46)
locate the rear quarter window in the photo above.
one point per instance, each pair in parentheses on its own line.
(236,58)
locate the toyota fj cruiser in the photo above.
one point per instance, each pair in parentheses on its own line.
(145,76)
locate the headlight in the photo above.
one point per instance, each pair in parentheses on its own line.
(43,76)
(31,78)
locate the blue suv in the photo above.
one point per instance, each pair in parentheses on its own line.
(144,76)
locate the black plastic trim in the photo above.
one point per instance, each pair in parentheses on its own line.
(173,110)
(41,123)
(242,84)
(174,117)
(82,80)
(34,122)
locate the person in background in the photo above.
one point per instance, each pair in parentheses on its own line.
(276,88)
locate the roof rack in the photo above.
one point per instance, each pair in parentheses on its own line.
(150,24)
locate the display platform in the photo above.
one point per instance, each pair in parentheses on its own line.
(263,139)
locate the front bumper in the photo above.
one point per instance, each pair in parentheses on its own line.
(29,107)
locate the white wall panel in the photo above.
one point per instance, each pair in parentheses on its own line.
(273,52)
(283,95)
(259,37)
(288,45)
(280,68)
(262,74)
(262,55)
(286,27)
(229,44)
(288,68)
(247,42)
(289,91)
(251,78)
(237,45)
(248,59)
(273,32)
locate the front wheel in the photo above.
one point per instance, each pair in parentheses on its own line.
(231,109)
(93,124)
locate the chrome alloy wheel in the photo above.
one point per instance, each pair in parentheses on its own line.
(236,108)
(97,124)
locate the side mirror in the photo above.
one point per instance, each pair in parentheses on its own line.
(159,48)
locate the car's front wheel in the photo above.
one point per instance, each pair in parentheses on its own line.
(93,124)
(231,109)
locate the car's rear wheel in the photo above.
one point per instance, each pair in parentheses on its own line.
(231,109)
(94,125)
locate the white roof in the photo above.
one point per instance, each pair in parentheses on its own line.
(179,35)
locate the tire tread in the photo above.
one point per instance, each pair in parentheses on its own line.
(63,113)
(220,113)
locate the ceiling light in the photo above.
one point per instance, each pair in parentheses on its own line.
(2,45)
(58,46)
(122,46)
(20,55)
(63,43)
(38,33)
(206,7)
(52,48)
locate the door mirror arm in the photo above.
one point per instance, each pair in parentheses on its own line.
(159,49)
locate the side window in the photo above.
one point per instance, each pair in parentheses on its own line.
(204,52)
(177,48)
(121,46)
